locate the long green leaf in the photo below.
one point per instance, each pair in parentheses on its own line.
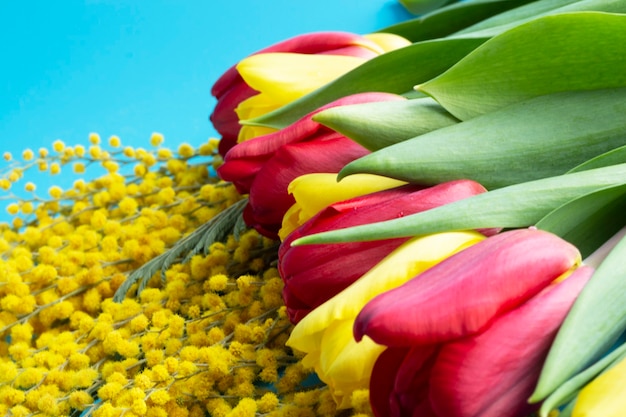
(518,15)
(589,221)
(593,325)
(570,51)
(518,205)
(418,7)
(451,18)
(569,390)
(380,124)
(394,72)
(537,138)
(612,157)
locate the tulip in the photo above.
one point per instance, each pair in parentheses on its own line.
(489,374)
(481,283)
(314,192)
(311,273)
(231,89)
(265,166)
(325,335)
(604,396)
(244,161)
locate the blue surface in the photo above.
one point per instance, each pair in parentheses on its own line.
(130,68)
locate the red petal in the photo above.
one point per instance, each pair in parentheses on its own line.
(269,199)
(493,373)
(464,293)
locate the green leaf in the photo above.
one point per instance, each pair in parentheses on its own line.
(451,18)
(537,138)
(393,72)
(570,51)
(612,157)
(569,390)
(518,205)
(380,124)
(588,221)
(418,7)
(215,230)
(593,325)
(519,15)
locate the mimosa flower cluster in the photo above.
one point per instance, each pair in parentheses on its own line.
(205,337)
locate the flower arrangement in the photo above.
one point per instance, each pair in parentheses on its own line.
(426,221)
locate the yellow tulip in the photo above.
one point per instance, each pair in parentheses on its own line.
(604,396)
(313,192)
(325,334)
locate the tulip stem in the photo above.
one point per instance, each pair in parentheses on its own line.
(596,258)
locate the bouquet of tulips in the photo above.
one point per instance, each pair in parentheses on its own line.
(423,221)
(449,195)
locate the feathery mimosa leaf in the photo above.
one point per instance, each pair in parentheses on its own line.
(393,72)
(571,51)
(377,125)
(518,205)
(215,230)
(589,221)
(593,325)
(537,138)
(451,18)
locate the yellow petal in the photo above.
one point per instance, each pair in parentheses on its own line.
(345,365)
(286,76)
(388,41)
(314,192)
(604,396)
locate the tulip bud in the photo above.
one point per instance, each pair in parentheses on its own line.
(463,294)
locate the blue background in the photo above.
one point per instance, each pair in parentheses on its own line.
(131,68)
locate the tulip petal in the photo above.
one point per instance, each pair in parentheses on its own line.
(473,287)
(286,76)
(492,374)
(399,382)
(313,192)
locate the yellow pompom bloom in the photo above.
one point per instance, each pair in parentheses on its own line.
(604,396)
(115,141)
(7,156)
(78,167)
(30,186)
(185,150)
(28,154)
(55,168)
(313,192)
(156,139)
(13,209)
(325,335)
(94,138)
(58,145)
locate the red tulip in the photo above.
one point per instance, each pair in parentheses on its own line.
(230,89)
(488,374)
(264,166)
(244,161)
(312,274)
(464,294)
